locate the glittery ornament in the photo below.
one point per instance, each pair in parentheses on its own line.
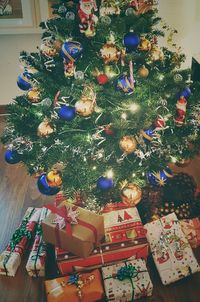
(79,75)
(45,188)
(45,129)
(156,53)
(85,106)
(178,78)
(145,44)
(110,53)
(102,79)
(128,144)
(159,178)
(106,20)
(34,95)
(131,194)
(54,178)
(47,102)
(143,72)
(70,16)
(129,11)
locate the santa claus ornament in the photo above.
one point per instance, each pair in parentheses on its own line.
(87,18)
(180,111)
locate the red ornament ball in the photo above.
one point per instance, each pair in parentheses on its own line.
(102,79)
(108,130)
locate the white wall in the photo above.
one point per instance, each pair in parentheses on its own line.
(184,15)
(10,47)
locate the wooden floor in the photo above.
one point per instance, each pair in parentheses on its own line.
(17,192)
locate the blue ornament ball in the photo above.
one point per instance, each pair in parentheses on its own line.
(24,81)
(44,187)
(186,93)
(71,51)
(67,113)
(12,157)
(131,41)
(124,84)
(104,183)
(159,178)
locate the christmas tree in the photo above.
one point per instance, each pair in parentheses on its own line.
(104,108)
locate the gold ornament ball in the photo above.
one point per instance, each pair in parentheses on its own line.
(128,144)
(131,194)
(85,106)
(33,95)
(110,53)
(145,45)
(156,53)
(44,129)
(54,178)
(143,72)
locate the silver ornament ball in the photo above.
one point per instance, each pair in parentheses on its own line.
(47,102)
(79,75)
(178,78)
(129,11)
(106,20)
(70,16)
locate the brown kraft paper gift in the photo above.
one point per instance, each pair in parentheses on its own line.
(83,229)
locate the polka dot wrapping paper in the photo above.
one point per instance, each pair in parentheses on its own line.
(171,250)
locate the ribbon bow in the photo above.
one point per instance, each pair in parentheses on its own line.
(127,272)
(69,214)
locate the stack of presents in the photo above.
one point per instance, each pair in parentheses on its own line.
(102,257)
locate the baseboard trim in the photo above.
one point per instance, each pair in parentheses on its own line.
(3,109)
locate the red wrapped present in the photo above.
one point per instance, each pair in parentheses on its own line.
(122,223)
(106,253)
(191,229)
(10,258)
(36,262)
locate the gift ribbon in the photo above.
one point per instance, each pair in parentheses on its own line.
(127,272)
(19,234)
(63,212)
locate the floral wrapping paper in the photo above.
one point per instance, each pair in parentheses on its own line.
(123,225)
(191,229)
(86,287)
(171,251)
(129,286)
(10,258)
(36,262)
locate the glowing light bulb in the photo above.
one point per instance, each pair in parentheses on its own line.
(109,173)
(161,77)
(133,174)
(143,174)
(173,159)
(94,168)
(133,107)
(124,116)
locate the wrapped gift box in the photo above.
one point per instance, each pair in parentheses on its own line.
(127,281)
(122,223)
(106,253)
(36,262)
(73,229)
(10,259)
(191,229)
(171,251)
(85,287)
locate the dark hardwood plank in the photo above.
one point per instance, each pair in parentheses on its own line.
(17,192)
